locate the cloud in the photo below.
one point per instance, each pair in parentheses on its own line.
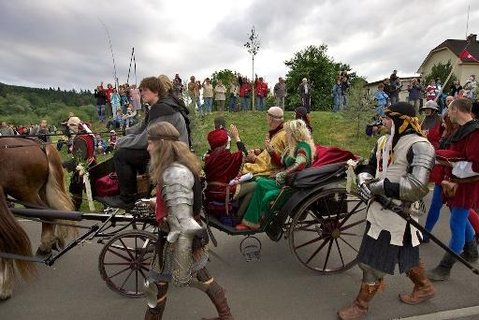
(64,43)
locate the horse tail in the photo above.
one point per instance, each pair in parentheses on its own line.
(13,239)
(56,194)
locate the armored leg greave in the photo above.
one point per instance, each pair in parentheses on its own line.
(156,313)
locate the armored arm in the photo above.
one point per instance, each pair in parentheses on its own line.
(412,186)
(178,196)
(365,174)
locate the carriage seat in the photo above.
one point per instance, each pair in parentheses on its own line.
(218,201)
(313,176)
(102,176)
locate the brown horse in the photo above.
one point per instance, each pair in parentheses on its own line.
(32,173)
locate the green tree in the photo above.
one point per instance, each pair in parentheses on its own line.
(360,108)
(226,76)
(320,69)
(441,71)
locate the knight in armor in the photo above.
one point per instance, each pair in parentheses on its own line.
(181,258)
(83,153)
(398,169)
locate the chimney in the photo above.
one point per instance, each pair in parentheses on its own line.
(472,37)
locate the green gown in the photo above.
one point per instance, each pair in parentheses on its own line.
(267,189)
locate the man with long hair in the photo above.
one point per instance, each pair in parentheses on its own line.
(183,259)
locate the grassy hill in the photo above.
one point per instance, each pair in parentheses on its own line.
(334,129)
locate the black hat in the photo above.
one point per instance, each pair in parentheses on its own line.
(400,108)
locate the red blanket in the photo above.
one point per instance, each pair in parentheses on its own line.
(327,155)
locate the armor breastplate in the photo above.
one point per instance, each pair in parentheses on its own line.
(399,162)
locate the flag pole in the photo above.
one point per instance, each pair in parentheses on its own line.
(452,70)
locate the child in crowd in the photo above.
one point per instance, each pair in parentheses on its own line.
(117,121)
(100,145)
(112,141)
(129,117)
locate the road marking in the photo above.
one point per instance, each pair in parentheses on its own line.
(446,315)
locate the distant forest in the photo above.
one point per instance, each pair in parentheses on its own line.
(23,105)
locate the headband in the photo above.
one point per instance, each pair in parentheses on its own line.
(157,138)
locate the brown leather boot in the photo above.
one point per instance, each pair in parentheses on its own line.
(423,289)
(358,309)
(217,296)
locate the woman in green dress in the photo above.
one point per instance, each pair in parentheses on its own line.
(298,155)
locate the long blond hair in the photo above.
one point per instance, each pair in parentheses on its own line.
(296,131)
(166,86)
(169,149)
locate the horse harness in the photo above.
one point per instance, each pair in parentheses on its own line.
(40,143)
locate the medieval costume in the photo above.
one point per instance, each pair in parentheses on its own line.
(183,258)
(83,157)
(461,193)
(263,165)
(222,166)
(399,169)
(297,156)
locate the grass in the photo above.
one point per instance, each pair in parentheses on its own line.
(333,129)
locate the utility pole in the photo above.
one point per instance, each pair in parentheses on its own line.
(253,48)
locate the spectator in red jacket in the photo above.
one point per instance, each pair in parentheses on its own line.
(261,93)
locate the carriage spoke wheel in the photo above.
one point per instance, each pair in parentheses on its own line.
(326,231)
(125,260)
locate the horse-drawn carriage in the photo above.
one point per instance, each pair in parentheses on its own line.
(321,220)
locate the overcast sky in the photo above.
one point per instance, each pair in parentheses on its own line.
(51,43)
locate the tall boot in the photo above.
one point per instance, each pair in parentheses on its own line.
(423,289)
(156,313)
(358,309)
(217,296)
(216,293)
(443,271)
(470,251)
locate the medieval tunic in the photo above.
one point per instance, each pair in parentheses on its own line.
(389,239)
(465,142)
(221,166)
(263,165)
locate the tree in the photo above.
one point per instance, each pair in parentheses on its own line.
(441,71)
(253,46)
(320,69)
(360,108)
(226,76)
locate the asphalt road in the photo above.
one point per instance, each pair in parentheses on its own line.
(276,287)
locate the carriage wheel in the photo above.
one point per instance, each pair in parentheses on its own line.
(125,260)
(326,231)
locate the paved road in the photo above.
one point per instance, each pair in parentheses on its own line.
(277,287)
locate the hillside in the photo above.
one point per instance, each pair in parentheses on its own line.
(329,128)
(20,105)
